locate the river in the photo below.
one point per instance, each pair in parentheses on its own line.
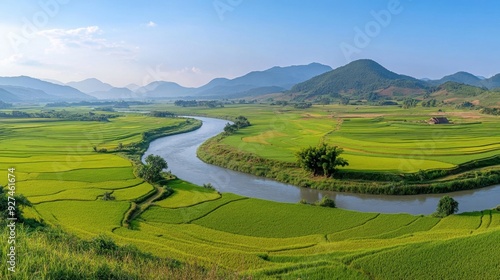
(180,153)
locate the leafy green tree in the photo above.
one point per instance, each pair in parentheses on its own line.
(321,160)
(409,103)
(230,128)
(447,206)
(151,171)
(241,122)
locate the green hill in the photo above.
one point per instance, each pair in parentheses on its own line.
(454,93)
(358,78)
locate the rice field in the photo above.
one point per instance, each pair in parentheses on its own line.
(64,178)
(376,138)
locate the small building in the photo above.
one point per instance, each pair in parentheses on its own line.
(438,120)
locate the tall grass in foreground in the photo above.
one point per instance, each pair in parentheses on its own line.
(50,253)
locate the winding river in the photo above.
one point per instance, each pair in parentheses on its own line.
(180,153)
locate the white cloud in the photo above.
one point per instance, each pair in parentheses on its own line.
(151,24)
(89,38)
(73,38)
(11,59)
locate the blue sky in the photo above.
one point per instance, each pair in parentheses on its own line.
(193,41)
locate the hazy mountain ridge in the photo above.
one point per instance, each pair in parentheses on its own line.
(27,89)
(358,78)
(90,85)
(281,77)
(469,79)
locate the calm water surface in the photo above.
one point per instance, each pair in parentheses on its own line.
(180,153)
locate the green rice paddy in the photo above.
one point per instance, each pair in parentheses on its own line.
(377,138)
(60,173)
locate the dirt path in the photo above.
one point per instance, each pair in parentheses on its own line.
(138,209)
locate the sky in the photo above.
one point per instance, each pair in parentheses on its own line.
(191,42)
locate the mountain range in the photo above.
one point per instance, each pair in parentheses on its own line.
(27,89)
(470,79)
(358,78)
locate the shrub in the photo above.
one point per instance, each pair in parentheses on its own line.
(103,244)
(108,196)
(326,202)
(208,186)
(303,201)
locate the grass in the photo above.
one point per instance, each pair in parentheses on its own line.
(187,194)
(186,214)
(52,254)
(472,257)
(398,139)
(236,235)
(84,217)
(261,218)
(92,175)
(374,227)
(133,192)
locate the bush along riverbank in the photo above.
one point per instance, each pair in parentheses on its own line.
(470,175)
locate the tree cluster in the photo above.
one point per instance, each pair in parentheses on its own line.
(162,114)
(491,111)
(4,105)
(202,103)
(302,105)
(409,103)
(65,115)
(345,100)
(429,103)
(465,105)
(151,171)
(239,122)
(321,160)
(115,104)
(280,103)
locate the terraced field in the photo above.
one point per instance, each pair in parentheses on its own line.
(377,138)
(266,240)
(273,240)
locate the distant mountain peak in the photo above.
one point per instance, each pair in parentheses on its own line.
(40,90)
(90,85)
(361,76)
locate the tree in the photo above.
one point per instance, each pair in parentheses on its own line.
(230,128)
(447,206)
(321,160)
(241,122)
(409,103)
(151,171)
